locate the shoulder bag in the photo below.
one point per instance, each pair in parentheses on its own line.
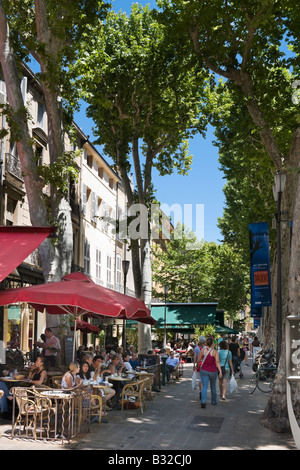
(223,367)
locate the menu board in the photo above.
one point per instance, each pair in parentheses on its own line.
(68,349)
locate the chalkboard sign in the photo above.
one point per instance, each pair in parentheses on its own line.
(68,349)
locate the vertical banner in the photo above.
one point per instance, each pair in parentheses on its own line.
(260,265)
(256,312)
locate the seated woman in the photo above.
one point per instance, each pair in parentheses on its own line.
(71,378)
(84,372)
(38,373)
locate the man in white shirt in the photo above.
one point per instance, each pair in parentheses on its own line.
(51,346)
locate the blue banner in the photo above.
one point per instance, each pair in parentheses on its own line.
(256,312)
(260,265)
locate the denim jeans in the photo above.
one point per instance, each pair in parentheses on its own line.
(209,378)
(168,370)
(3,399)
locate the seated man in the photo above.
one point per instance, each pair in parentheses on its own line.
(171,364)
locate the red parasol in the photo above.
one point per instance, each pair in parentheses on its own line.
(85,327)
(78,295)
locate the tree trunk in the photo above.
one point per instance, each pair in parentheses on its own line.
(37,207)
(275,415)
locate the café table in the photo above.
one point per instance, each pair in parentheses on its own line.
(12,382)
(73,407)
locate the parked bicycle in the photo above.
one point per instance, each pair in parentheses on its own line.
(265,374)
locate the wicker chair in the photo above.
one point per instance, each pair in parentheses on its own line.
(134,391)
(149,379)
(33,409)
(96,407)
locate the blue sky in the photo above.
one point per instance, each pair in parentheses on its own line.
(203,185)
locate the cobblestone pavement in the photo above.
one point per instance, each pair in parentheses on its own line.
(174,421)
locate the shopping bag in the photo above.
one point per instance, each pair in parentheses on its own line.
(194,381)
(232,384)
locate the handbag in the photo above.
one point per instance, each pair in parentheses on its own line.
(223,367)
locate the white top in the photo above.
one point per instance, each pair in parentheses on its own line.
(64,383)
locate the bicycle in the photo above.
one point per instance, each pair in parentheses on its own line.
(263,379)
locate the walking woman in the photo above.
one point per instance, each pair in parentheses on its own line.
(210,369)
(225,357)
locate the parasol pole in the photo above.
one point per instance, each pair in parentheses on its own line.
(74,338)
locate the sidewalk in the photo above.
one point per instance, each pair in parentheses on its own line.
(175,421)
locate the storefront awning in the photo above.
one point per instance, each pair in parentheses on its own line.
(16,243)
(226,330)
(184,316)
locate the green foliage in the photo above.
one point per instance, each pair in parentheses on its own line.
(255,47)
(206,273)
(208,330)
(143,94)
(59,172)
(132,337)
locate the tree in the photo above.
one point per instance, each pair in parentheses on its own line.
(207,273)
(50,32)
(242,42)
(144,102)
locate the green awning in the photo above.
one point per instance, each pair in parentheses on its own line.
(184,316)
(226,330)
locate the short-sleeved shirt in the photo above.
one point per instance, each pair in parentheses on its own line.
(53,342)
(223,354)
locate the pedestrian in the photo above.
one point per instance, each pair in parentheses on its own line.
(245,347)
(234,347)
(256,347)
(209,368)
(225,357)
(196,368)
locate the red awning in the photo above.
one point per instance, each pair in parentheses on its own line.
(16,243)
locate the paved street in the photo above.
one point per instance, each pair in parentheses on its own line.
(175,421)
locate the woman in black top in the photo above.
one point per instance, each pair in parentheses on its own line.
(235,351)
(38,373)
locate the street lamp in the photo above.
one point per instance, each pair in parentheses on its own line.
(165,317)
(278,188)
(125,267)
